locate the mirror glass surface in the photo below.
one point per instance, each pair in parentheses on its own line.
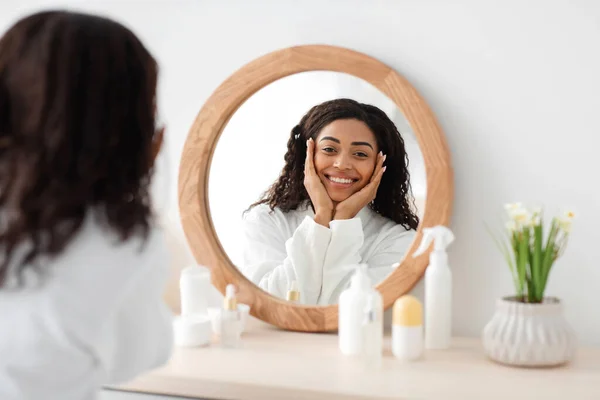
(307,251)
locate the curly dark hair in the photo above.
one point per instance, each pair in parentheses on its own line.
(77,132)
(394,195)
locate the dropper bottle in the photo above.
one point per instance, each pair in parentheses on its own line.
(230,319)
(293,294)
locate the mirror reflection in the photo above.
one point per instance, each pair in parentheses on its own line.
(313,175)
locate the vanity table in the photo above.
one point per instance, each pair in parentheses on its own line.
(276,364)
(286,351)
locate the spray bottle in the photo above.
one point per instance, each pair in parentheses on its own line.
(438,288)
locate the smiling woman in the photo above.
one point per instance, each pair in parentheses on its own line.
(333,205)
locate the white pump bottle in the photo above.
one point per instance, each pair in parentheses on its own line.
(438,288)
(352,304)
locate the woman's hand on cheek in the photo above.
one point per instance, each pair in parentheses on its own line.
(348,208)
(316,191)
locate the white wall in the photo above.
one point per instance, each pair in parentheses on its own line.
(515,85)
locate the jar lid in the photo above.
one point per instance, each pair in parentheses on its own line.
(195,271)
(408,311)
(192,331)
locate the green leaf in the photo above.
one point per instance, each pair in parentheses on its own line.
(519,277)
(548,258)
(536,265)
(503,247)
(523,256)
(515,242)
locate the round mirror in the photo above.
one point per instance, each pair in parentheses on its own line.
(261,205)
(288,220)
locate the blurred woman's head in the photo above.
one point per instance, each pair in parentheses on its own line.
(77,131)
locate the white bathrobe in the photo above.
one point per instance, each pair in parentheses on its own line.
(97,318)
(281,247)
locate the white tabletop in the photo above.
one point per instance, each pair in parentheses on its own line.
(275,364)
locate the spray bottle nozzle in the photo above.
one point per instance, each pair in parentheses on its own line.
(441,237)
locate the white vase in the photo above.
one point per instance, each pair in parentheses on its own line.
(529,334)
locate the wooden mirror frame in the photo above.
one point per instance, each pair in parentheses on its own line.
(212,119)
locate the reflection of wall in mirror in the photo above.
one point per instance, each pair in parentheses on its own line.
(249,154)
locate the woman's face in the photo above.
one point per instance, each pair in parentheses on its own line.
(345,157)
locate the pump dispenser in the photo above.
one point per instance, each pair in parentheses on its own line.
(438,288)
(359,296)
(360,279)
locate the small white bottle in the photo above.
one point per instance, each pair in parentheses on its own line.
(407,328)
(352,304)
(293,294)
(194,284)
(231,323)
(372,331)
(438,288)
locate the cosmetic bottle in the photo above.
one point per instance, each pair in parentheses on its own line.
(192,328)
(231,324)
(438,288)
(293,294)
(194,284)
(407,328)
(372,334)
(352,304)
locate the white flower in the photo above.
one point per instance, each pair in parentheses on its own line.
(511,226)
(536,220)
(569,214)
(521,217)
(516,212)
(510,207)
(564,224)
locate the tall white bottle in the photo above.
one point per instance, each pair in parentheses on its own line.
(352,304)
(438,288)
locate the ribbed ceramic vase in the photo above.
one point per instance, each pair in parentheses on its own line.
(529,334)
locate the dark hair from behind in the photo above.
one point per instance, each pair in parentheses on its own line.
(77,130)
(394,196)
